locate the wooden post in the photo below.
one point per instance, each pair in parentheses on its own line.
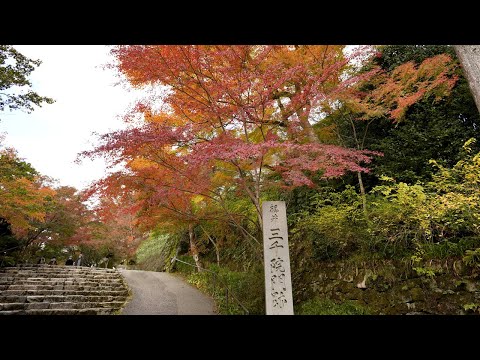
(278,282)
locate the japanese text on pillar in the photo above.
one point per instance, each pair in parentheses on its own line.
(277,269)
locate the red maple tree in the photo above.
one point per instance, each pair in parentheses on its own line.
(236,117)
(242,111)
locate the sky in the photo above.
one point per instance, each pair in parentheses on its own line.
(86,101)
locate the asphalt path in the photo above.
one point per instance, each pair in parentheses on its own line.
(158,293)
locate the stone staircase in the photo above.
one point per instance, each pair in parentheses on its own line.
(61,290)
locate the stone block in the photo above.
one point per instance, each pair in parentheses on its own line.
(13,306)
(39,305)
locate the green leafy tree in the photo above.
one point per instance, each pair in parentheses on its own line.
(429,132)
(430,129)
(15,69)
(396,55)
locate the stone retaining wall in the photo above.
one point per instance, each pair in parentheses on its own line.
(389,287)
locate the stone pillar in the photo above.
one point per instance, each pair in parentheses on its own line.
(469,56)
(278,282)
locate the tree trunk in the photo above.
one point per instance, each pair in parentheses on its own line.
(469,56)
(217,252)
(174,263)
(306,126)
(193,248)
(362,192)
(359,174)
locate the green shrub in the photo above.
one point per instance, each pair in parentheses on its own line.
(472,258)
(6,260)
(453,247)
(244,287)
(154,254)
(334,229)
(184,268)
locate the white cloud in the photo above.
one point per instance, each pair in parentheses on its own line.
(86,101)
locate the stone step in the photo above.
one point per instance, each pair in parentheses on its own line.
(12,312)
(76,282)
(51,290)
(59,266)
(59,298)
(59,270)
(74,298)
(12,306)
(120,292)
(63,287)
(66,305)
(12,299)
(59,274)
(21,280)
(88,311)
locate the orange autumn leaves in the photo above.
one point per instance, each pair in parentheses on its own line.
(22,197)
(236,116)
(396,91)
(38,213)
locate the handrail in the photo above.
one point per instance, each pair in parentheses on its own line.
(5,253)
(227,290)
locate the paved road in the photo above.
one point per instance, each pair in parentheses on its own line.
(156,293)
